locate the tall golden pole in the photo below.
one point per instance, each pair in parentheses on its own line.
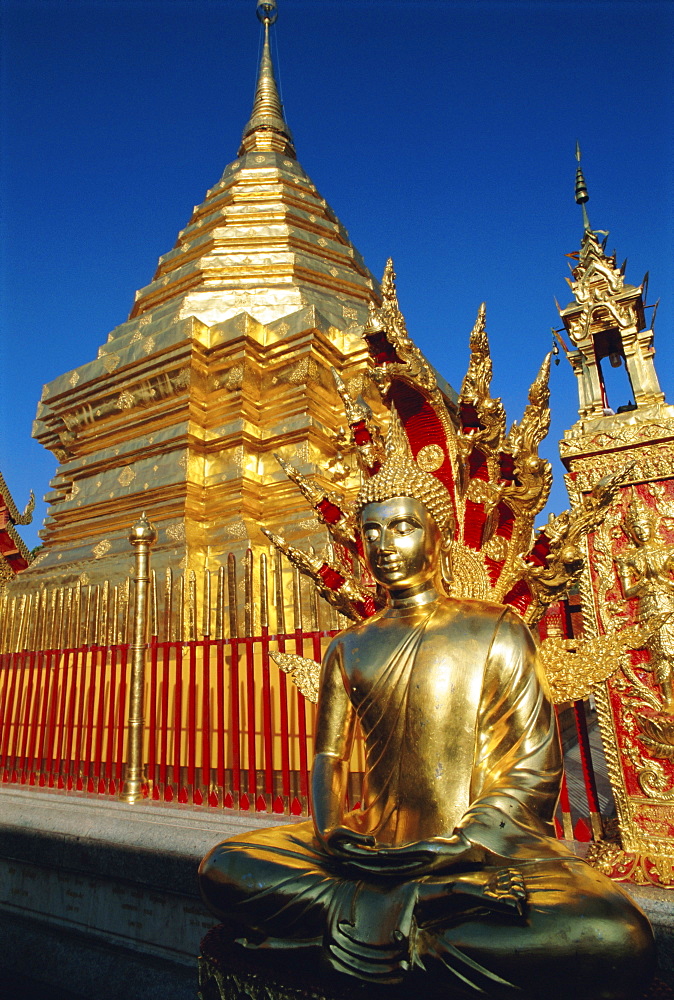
(142,536)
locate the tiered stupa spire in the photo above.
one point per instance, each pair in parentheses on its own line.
(224,360)
(267,129)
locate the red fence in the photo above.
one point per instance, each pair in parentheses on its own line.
(224,726)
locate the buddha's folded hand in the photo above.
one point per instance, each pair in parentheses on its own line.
(423,857)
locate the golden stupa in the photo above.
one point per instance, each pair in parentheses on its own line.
(224,360)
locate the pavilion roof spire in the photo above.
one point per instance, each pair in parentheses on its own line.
(266,129)
(582,195)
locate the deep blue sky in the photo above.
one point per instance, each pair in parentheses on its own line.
(441,133)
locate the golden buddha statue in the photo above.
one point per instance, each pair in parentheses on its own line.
(448,874)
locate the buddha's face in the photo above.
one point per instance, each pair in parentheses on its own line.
(401,542)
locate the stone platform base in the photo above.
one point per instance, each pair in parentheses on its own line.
(227,973)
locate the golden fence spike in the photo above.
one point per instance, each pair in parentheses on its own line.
(11,611)
(180,630)
(49,620)
(77,615)
(130,598)
(313,601)
(125,611)
(55,618)
(206,605)
(297,599)
(30,614)
(21,630)
(168,605)
(264,594)
(38,618)
(4,621)
(86,615)
(62,619)
(154,607)
(57,640)
(332,614)
(10,625)
(35,625)
(23,622)
(67,618)
(105,612)
(6,624)
(31,620)
(114,617)
(279,598)
(13,621)
(95,615)
(232,597)
(192,606)
(248,592)
(220,605)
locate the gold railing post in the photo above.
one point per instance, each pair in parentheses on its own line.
(142,536)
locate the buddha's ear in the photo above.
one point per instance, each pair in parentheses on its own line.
(445,561)
(447,538)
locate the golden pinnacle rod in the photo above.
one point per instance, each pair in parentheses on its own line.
(231,596)
(220,605)
(142,537)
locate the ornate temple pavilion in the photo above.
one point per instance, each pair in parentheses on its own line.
(14,555)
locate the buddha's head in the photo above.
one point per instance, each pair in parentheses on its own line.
(406,521)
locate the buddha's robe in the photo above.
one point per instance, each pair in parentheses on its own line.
(461,739)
